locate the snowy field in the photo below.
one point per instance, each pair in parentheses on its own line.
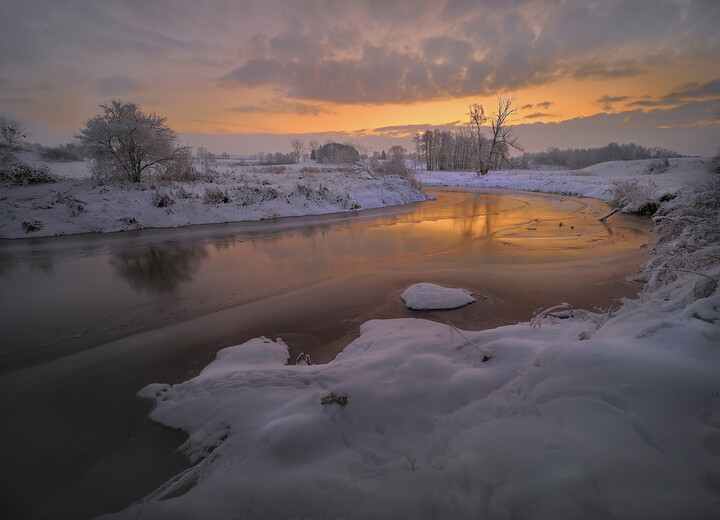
(643,180)
(579,414)
(228,193)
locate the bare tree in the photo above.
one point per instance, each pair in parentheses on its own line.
(476,113)
(363,161)
(11,132)
(297,145)
(502,139)
(503,136)
(122,140)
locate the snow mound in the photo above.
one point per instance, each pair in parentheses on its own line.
(428,296)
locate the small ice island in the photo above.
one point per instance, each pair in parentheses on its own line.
(428,296)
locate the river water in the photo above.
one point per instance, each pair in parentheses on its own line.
(89,320)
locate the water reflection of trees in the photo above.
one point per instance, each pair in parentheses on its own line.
(159,269)
(40,262)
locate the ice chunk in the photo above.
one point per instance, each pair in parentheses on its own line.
(426,296)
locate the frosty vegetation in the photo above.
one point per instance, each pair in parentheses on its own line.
(122,140)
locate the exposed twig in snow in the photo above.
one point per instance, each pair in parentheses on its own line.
(542,314)
(607,215)
(453,329)
(682,271)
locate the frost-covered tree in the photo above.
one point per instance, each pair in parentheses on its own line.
(11,132)
(124,141)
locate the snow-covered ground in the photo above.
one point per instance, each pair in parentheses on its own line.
(578,414)
(643,179)
(229,193)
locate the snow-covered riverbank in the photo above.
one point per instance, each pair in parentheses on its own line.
(227,193)
(578,414)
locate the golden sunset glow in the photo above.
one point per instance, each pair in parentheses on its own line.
(245,75)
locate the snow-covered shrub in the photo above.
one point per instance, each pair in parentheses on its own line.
(689,242)
(634,197)
(76,206)
(32,225)
(161,200)
(179,170)
(304,190)
(17,173)
(248,196)
(182,193)
(658,166)
(395,166)
(215,195)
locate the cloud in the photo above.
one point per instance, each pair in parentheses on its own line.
(538,115)
(644,103)
(281,106)
(118,85)
(689,128)
(408,131)
(694,91)
(379,75)
(469,49)
(685,94)
(545,104)
(607,71)
(526,107)
(607,101)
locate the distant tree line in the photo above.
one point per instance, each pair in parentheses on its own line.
(457,150)
(578,158)
(336,153)
(276,158)
(470,148)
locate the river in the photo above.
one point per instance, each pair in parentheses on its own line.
(89,320)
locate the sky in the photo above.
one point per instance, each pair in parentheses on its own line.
(247,76)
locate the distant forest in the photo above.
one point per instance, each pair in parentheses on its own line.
(578,158)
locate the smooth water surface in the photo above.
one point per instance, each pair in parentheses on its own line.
(89,320)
